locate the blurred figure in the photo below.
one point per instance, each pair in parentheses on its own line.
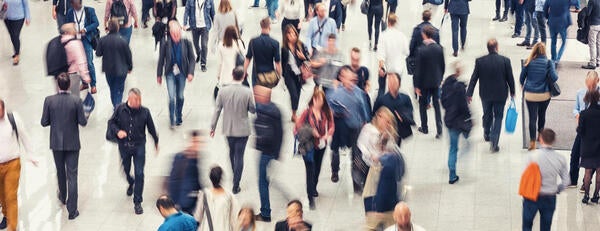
(268,59)
(294,220)
(200,15)
(498,7)
(400,105)
(224,18)
(269,137)
(59,11)
(393,52)
(327,63)
(293,55)
(291,11)
(221,204)
(86,26)
(147,5)
(362,72)
(125,24)
(128,126)
(165,10)
(383,125)
(589,124)
(228,51)
(416,41)
(459,14)
(174,219)
(246,220)
(559,19)
(63,112)
(184,180)
(403,221)
(17,13)
(76,58)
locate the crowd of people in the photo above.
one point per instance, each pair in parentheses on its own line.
(340,113)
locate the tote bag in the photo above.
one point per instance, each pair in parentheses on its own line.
(511,117)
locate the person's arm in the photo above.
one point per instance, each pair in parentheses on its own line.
(23,135)
(107,13)
(277,59)
(565,179)
(94,20)
(330,125)
(510,78)
(161,59)
(553,74)
(80,59)
(301,120)
(217,113)
(133,13)
(581,125)
(151,127)
(191,58)
(473,81)
(113,122)
(251,104)
(174,9)
(414,42)
(310,31)
(578,102)
(523,75)
(187,12)
(53,11)
(81,120)
(446,2)
(45,121)
(248,58)
(128,57)
(26,11)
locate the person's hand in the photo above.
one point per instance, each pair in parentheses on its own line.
(128,72)
(418,91)
(445,11)
(336,83)
(121,134)
(185,28)
(315,133)
(469,99)
(398,116)
(156,148)
(300,54)
(577,118)
(54,14)
(299,26)
(381,72)
(82,31)
(212,133)
(190,77)
(159,80)
(135,24)
(27,21)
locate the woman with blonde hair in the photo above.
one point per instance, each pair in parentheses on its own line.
(246,220)
(534,82)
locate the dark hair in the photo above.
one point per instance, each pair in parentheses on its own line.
(395,74)
(216,173)
(591,97)
(492,45)
(63,81)
(285,41)
(548,136)
(230,34)
(295,202)
(355,49)
(428,31)
(318,92)
(196,133)
(238,73)
(165,202)
(113,25)
(2,103)
(265,23)
(331,36)
(426,16)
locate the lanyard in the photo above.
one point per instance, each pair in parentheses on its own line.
(79,19)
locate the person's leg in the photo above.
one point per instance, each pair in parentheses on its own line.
(289,79)
(487,118)
(256,2)
(72,162)
(597,190)
(145,11)
(381,85)
(597,44)
(527,25)
(575,155)
(89,52)
(319,153)
(436,108)
(518,18)
(541,21)
(231,144)
(536,28)
(498,109)
(498,5)
(309,166)
(553,37)
(110,80)
(59,162)
(542,115)
(378,17)
(126,156)
(454,136)
(587,181)
(15,34)
(139,161)
(423,102)
(239,159)
(370,20)
(180,87)
(119,88)
(506,8)
(344,14)
(532,110)
(271,8)
(563,43)
(10,172)
(126,33)
(592,37)
(547,205)
(196,42)
(455,21)
(530,208)
(171,89)
(204,46)
(463,30)
(263,185)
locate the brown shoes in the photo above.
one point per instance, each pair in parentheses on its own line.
(15,60)
(531,145)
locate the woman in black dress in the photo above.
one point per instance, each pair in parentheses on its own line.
(589,125)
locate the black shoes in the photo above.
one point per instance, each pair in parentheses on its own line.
(74,215)
(494,149)
(515,35)
(203,67)
(236,190)
(3,224)
(63,201)
(438,136)
(260,217)
(421,130)
(315,194)
(486,138)
(455,54)
(585,199)
(311,204)
(138,208)
(524,44)
(334,177)
(130,190)
(588,66)
(595,199)
(454,180)
(496,18)
(197,58)
(503,19)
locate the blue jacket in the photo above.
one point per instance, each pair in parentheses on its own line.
(189,14)
(183,180)
(388,193)
(335,11)
(458,7)
(91,22)
(533,76)
(558,14)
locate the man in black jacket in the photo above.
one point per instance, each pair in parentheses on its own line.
(63,112)
(59,11)
(593,21)
(429,71)
(399,104)
(116,61)
(494,72)
(416,40)
(128,127)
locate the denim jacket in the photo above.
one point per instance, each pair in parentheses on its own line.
(189,14)
(533,76)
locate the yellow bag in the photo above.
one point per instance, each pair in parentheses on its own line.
(268,79)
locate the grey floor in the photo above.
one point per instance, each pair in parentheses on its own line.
(485,199)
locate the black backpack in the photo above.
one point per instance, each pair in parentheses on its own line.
(119,11)
(56,56)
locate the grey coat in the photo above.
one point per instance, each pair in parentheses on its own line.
(63,112)
(188,59)
(235,100)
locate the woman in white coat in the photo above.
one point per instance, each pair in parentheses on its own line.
(221,204)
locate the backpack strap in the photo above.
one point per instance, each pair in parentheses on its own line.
(207,211)
(13,124)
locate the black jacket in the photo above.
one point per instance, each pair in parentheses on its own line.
(458,7)
(134,122)
(285,59)
(268,128)
(454,100)
(589,125)
(188,58)
(63,112)
(283,226)
(116,55)
(416,40)
(62,6)
(430,66)
(401,105)
(495,76)
(593,12)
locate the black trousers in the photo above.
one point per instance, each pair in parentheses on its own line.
(293,84)
(138,154)
(237,145)
(313,170)
(67,163)
(343,136)
(434,95)
(14,31)
(537,114)
(307,4)
(286,22)
(344,13)
(575,156)
(146,7)
(201,48)
(506,7)
(374,16)
(381,83)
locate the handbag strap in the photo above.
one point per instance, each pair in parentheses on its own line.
(207,211)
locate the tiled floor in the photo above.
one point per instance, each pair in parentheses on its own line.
(485,198)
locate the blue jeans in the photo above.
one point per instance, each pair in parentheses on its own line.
(89,53)
(545,205)
(175,87)
(138,153)
(493,112)
(540,18)
(518,17)
(454,136)
(237,145)
(272,6)
(531,23)
(554,36)
(263,184)
(258,1)
(456,21)
(126,33)
(116,84)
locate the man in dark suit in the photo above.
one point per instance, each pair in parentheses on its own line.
(86,24)
(496,79)
(63,112)
(416,41)
(429,71)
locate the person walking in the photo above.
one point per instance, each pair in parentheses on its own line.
(498,7)
(76,58)
(184,179)
(229,50)
(319,29)
(530,24)
(291,11)
(17,14)
(147,6)
(362,72)
(63,112)
(293,56)
(165,10)
(246,221)
(59,11)
(236,101)
(124,20)
(327,64)
(593,15)
(116,61)
(374,15)
(13,135)
(495,77)
(221,203)
(457,116)
(552,165)
(429,71)
(590,146)
(459,14)
(393,52)
(416,42)
(176,61)
(127,127)
(86,26)
(174,219)
(382,126)
(319,118)
(200,15)
(535,73)
(559,19)
(540,19)
(268,58)
(294,218)
(402,217)
(224,18)
(400,105)
(517,8)
(269,137)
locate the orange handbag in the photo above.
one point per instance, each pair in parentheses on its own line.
(531,182)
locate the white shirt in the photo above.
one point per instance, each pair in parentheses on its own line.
(368,142)
(292,11)
(227,62)
(199,12)
(393,49)
(414,228)
(79,22)
(9,147)
(327,3)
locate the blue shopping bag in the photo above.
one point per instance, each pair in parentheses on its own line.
(88,104)
(511,117)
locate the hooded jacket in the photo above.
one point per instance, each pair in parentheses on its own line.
(454,101)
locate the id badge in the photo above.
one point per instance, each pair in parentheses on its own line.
(176,70)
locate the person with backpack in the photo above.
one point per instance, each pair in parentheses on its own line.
(552,165)
(86,24)
(13,135)
(124,11)
(200,15)
(72,49)
(17,13)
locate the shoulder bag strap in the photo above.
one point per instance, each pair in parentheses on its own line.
(13,124)
(207,211)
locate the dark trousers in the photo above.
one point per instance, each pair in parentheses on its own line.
(374,16)
(381,83)
(349,137)
(263,184)
(146,7)
(307,4)
(294,86)
(434,95)
(519,13)
(66,170)
(344,13)
(138,154)
(575,158)
(237,145)
(393,7)
(293,22)
(506,7)
(116,84)
(201,48)
(537,114)
(313,170)
(545,205)
(459,22)
(554,33)
(541,23)
(14,31)
(61,19)
(493,112)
